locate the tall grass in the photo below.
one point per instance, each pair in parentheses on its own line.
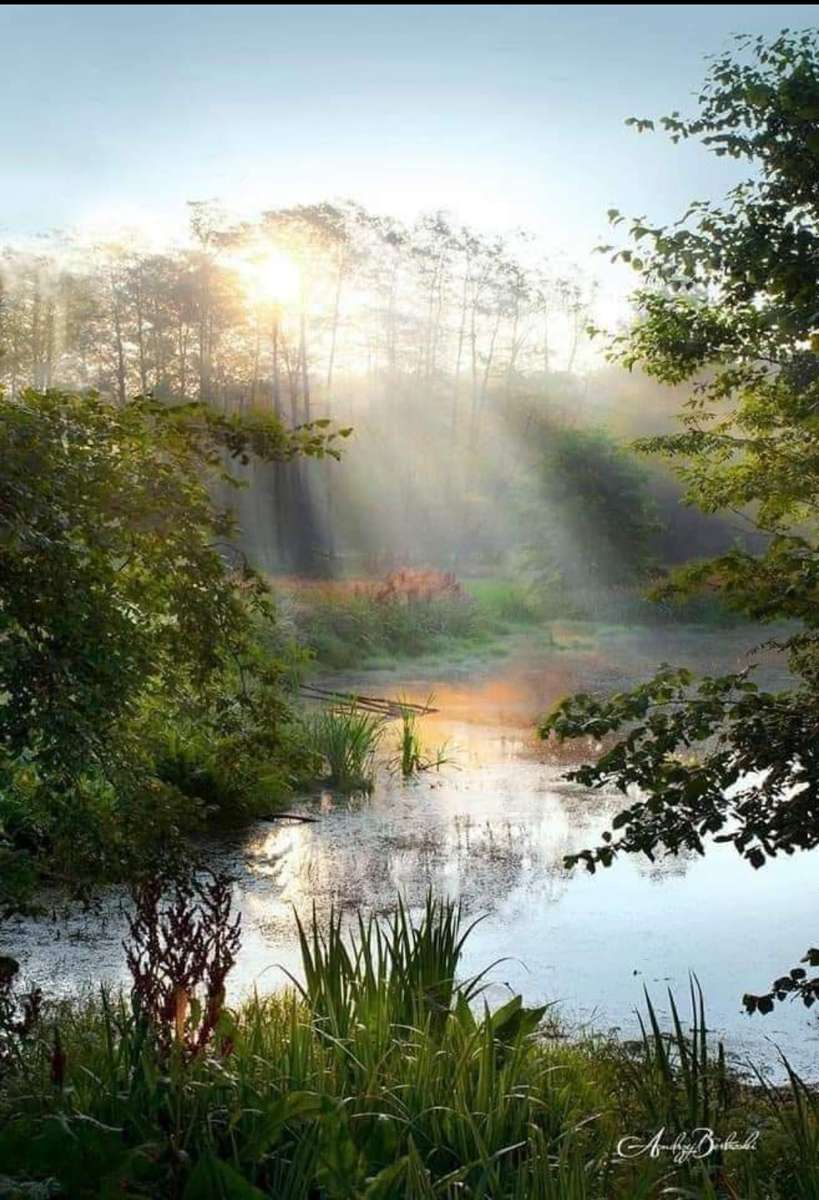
(410,758)
(385,1075)
(398,968)
(681,1082)
(346,739)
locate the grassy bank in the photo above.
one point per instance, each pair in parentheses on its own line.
(382,1077)
(365,624)
(360,624)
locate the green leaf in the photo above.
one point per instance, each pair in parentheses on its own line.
(213,1179)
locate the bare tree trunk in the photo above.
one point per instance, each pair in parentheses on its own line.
(36,370)
(513,349)
(473,338)
(143,361)
(334,327)
(277,394)
(50,339)
(257,347)
(119,347)
(485,381)
(204,328)
(460,349)
(391,338)
(156,342)
(183,360)
(305,378)
(576,325)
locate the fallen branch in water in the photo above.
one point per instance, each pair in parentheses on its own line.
(377,704)
(290,817)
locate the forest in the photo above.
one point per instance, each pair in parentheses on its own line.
(389,652)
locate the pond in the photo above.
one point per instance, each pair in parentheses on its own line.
(492,828)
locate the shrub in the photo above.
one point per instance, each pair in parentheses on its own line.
(407,615)
(157,629)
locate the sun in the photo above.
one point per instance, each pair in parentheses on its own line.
(271,276)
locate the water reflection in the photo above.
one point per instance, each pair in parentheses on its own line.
(494,833)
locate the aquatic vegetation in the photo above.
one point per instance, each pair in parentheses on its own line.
(407,968)
(383,1073)
(346,738)
(410,758)
(236,776)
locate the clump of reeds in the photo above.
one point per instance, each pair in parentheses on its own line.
(386,1075)
(346,740)
(396,971)
(410,757)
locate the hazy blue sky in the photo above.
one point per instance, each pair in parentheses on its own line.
(503,115)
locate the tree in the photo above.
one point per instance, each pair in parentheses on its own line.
(728,301)
(591,518)
(124,613)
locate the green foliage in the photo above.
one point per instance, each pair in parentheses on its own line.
(345,629)
(242,774)
(681,1082)
(122,617)
(728,303)
(595,519)
(506,600)
(410,758)
(796,984)
(756,747)
(587,521)
(345,739)
(400,967)
(382,1076)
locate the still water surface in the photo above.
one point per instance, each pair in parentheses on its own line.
(492,830)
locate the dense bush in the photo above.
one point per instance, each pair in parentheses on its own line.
(125,617)
(344,628)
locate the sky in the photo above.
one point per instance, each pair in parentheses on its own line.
(503,115)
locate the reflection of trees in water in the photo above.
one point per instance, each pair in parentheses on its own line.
(348,864)
(672,866)
(499,843)
(361,853)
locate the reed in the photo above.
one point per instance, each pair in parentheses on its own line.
(346,740)
(383,1073)
(409,757)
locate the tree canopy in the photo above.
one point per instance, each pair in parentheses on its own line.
(591,518)
(728,302)
(124,610)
